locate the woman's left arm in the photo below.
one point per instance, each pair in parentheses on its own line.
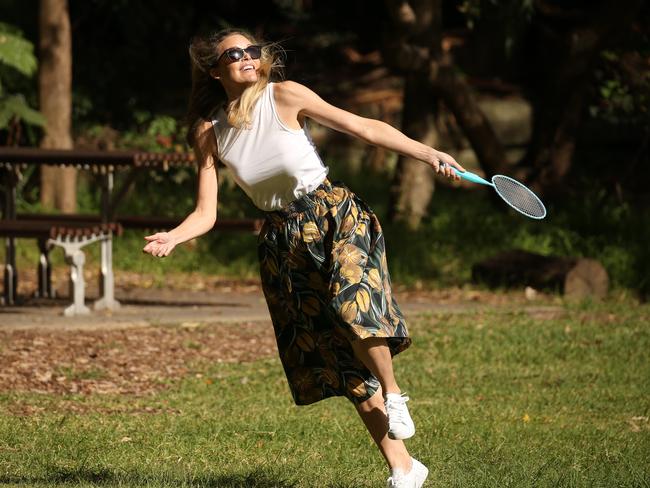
(304,102)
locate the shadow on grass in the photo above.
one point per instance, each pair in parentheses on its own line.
(61,477)
(179,303)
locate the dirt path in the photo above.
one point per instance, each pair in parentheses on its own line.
(194,299)
(162,334)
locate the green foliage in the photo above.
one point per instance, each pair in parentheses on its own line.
(82,107)
(16,57)
(16,51)
(160,191)
(156,133)
(475,9)
(623,89)
(15,106)
(465,228)
(219,254)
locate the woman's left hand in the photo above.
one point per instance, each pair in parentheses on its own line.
(449,162)
(159,244)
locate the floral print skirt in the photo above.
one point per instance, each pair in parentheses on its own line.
(326,283)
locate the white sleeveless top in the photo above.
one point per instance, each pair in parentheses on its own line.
(272,163)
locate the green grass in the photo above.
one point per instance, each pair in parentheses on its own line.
(500,398)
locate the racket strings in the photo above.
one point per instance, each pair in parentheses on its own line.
(519,196)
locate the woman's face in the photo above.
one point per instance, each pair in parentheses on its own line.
(242,71)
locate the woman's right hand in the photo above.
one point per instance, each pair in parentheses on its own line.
(443,164)
(160,244)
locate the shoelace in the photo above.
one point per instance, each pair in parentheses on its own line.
(395,413)
(394,481)
(396,478)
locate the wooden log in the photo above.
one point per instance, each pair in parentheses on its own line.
(577,278)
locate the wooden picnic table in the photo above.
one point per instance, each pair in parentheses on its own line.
(105,164)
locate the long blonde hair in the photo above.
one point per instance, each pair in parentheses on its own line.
(207,93)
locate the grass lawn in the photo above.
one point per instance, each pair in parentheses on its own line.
(500,398)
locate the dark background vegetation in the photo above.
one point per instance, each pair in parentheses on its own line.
(131,81)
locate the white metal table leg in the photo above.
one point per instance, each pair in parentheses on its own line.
(106,278)
(76,259)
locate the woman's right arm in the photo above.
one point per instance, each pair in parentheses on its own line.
(204,216)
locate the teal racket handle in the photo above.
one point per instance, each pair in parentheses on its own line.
(468,175)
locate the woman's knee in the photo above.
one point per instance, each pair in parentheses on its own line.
(371,403)
(368,343)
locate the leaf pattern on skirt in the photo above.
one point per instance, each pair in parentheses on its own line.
(326,282)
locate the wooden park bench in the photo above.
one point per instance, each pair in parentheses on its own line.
(72,233)
(72,237)
(53,230)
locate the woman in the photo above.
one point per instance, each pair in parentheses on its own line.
(321,249)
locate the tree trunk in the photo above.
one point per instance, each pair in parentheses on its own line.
(411,45)
(459,98)
(58,185)
(413,183)
(565,62)
(575,277)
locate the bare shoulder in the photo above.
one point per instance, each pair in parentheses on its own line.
(293,93)
(204,126)
(288,87)
(204,135)
(205,144)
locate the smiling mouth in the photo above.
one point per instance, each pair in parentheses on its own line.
(249,67)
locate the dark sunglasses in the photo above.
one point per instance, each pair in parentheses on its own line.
(237,53)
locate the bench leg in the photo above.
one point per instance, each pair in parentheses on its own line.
(10,275)
(106,278)
(44,271)
(76,260)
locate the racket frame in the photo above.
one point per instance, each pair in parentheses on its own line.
(474,178)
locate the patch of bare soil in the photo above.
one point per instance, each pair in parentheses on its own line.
(134,361)
(469,296)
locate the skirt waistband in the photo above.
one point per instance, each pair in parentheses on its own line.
(305,202)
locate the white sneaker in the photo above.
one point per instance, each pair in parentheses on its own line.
(413,479)
(400,425)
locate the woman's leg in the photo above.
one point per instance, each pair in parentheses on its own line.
(375,355)
(373,414)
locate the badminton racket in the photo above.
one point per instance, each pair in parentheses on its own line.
(515,194)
